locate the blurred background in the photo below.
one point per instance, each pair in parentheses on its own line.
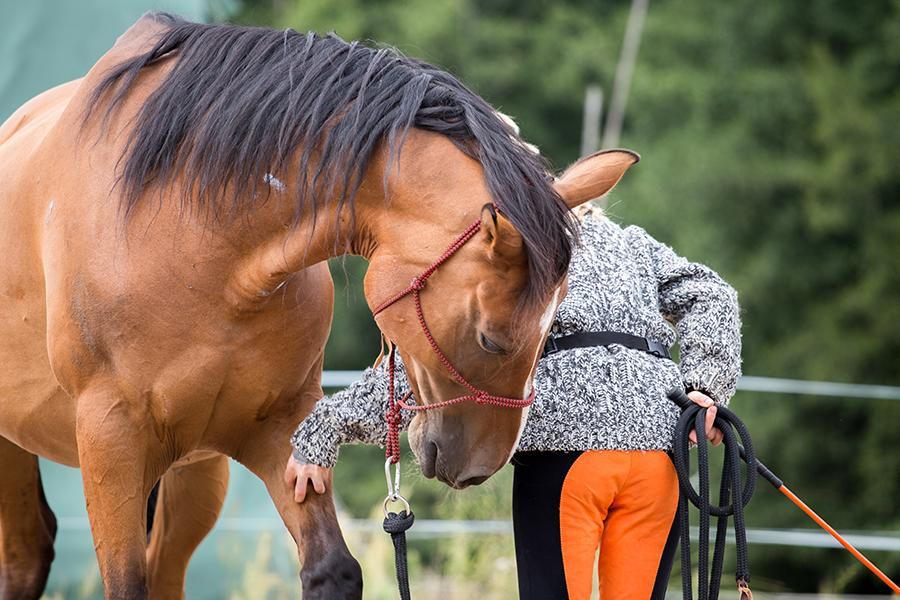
(770,143)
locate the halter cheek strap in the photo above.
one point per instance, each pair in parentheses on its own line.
(392,450)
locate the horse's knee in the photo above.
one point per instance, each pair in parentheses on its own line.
(131,587)
(334,576)
(26,557)
(26,577)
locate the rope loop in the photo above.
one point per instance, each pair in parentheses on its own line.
(735,493)
(398,522)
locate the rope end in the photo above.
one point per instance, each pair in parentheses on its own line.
(396,523)
(744,589)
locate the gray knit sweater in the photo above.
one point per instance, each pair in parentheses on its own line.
(609,398)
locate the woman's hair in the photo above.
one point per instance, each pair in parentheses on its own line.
(582,211)
(588,209)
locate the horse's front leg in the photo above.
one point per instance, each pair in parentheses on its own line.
(121,460)
(328,570)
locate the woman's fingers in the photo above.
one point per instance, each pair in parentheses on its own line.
(710,421)
(712,432)
(318,483)
(289,474)
(296,474)
(301,475)
(300,489)
(701,399)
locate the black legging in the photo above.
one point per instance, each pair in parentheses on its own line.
(537,485)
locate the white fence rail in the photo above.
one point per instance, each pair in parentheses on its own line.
(748,383)
(440,528)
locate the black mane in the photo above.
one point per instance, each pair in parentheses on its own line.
(240,103)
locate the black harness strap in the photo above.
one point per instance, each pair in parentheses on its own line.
(586,339)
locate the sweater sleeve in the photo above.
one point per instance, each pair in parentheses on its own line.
(353,415)
(704,309)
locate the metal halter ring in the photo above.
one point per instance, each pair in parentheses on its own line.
(396,498)
(393,487)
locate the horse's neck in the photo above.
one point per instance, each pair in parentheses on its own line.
(291,248)
(417,217)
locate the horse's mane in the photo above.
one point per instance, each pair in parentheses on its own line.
(240,103)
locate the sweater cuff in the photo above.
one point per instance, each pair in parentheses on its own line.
(316,444)
(719,388)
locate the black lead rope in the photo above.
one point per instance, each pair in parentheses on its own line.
(693,418)
(396,524)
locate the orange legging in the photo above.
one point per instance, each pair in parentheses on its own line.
(566,505)
(624,503)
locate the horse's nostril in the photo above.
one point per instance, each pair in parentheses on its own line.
(429,461)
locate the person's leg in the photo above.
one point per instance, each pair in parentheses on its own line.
(667,561)
(637,527)
(537,484)
(590,488)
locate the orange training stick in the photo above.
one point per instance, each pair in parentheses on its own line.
(856,553)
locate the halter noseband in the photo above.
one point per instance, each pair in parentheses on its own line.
(392,448)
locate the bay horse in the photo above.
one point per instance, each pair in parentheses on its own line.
(164,226)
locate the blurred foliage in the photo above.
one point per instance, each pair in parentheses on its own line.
(355,341)
(769,133)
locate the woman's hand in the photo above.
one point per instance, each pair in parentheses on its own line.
(300,474)
(712,433)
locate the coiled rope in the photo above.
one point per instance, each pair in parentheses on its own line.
(735,493)
(693,418)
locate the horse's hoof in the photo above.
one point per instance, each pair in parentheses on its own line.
(336,576)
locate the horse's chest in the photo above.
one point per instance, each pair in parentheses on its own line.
(216,398)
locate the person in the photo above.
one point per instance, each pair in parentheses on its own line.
(592,467)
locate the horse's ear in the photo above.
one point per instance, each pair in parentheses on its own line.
(594,175)
(499,234)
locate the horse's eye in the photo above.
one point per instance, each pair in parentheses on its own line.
(490,345)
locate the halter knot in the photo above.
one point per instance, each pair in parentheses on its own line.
(393,415)
(417,283)
(481,397)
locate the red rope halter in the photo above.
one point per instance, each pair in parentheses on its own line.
(392,449)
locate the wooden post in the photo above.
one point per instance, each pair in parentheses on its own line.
(590,127)
(624,70)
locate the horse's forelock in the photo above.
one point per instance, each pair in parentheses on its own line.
(517,177)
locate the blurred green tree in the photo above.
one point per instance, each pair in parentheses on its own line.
(770,144)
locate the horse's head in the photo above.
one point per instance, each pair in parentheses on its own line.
(475,304)
(264,147)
